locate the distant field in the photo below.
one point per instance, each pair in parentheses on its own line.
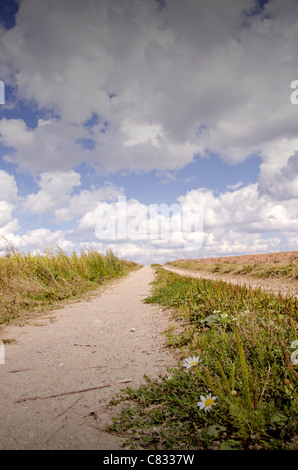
(272,265)
(30,283)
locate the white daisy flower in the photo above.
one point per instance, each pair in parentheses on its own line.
(294,358)
(246,312)
(224,315)
(191,361)
(216,311)
(206,403)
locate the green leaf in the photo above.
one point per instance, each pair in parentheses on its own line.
(211,319)
(215,430)
(279,419)
(230,444)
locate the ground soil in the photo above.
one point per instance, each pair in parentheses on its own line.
(284,286)
(111,341)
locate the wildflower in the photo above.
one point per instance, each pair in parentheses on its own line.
(216,311)
(246,312)
(294,344)
(294,358)
(224,315)
(191,361)
(206,402)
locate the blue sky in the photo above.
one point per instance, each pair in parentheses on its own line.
(160,102)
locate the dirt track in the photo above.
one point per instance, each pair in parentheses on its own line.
(110,341)
(63,369)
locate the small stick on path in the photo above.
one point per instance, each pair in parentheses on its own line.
(61,394)
(68,408)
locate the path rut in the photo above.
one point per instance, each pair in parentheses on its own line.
(108,341)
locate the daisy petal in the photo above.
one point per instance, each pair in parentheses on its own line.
(294,357)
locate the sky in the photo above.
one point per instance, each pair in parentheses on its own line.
(162,129)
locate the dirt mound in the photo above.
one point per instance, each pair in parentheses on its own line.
(285,286)
(287,257)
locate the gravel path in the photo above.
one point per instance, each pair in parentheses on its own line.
(48,394)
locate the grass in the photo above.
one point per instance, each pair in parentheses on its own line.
(280,270)
(31,283)
(245,362)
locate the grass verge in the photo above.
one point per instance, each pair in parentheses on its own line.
(280,270)
(31,283)
(245,378)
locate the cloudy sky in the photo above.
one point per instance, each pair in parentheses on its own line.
(113,106)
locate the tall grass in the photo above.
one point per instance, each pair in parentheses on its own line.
(29,282)
(243,338)
(260,270)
